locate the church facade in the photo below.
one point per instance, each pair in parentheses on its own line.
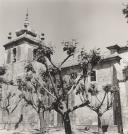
(112,70)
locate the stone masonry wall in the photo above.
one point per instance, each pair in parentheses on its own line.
(86,116)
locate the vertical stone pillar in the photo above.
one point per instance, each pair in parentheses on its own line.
(124,104)
(117,102)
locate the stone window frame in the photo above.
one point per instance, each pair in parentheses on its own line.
(93,76)
(14,54)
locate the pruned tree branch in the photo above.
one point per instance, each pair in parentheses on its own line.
(108,108)
(78,106)
(92,107)
(102,100)
(51,80)
(16,105)
(41,83)
(29,102)
(53,64)
(75,85)
(65,60)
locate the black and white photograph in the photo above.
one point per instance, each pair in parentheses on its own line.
(63,66)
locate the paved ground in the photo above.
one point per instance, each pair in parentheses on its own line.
(50,132)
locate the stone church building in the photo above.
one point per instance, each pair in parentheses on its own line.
(112,70)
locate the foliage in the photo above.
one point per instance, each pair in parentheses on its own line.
(125,11)
(105,103)
(101,100)
(62,85)
(41,52)
(36,87)
(69,48)
(89,60)
(93,90)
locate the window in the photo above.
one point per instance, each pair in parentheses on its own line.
(93,76)
(14,55)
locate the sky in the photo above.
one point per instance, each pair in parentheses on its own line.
(93,23)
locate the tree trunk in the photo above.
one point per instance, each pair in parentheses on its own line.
(99,124)
(67,124)
(42,122)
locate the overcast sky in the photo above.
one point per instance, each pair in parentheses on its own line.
(94,23)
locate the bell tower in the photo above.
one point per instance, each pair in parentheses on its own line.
(19,49)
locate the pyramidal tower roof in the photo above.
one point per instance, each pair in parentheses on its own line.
(26,29)
(26,33)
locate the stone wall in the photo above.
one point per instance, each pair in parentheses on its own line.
(104,75)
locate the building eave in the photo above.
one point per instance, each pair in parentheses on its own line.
(111,59)
(114,47)
(23,31)
(22,38)
(120,49)
(123,49)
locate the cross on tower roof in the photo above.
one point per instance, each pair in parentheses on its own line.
(25,34)
(26,22)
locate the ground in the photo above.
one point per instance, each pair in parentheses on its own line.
(33,132)
(53,131)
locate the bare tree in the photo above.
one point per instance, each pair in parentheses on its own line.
(52,81)
(7,96)
(60,89)
(100,100)
(30,93)
(35,96)
(5,106)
